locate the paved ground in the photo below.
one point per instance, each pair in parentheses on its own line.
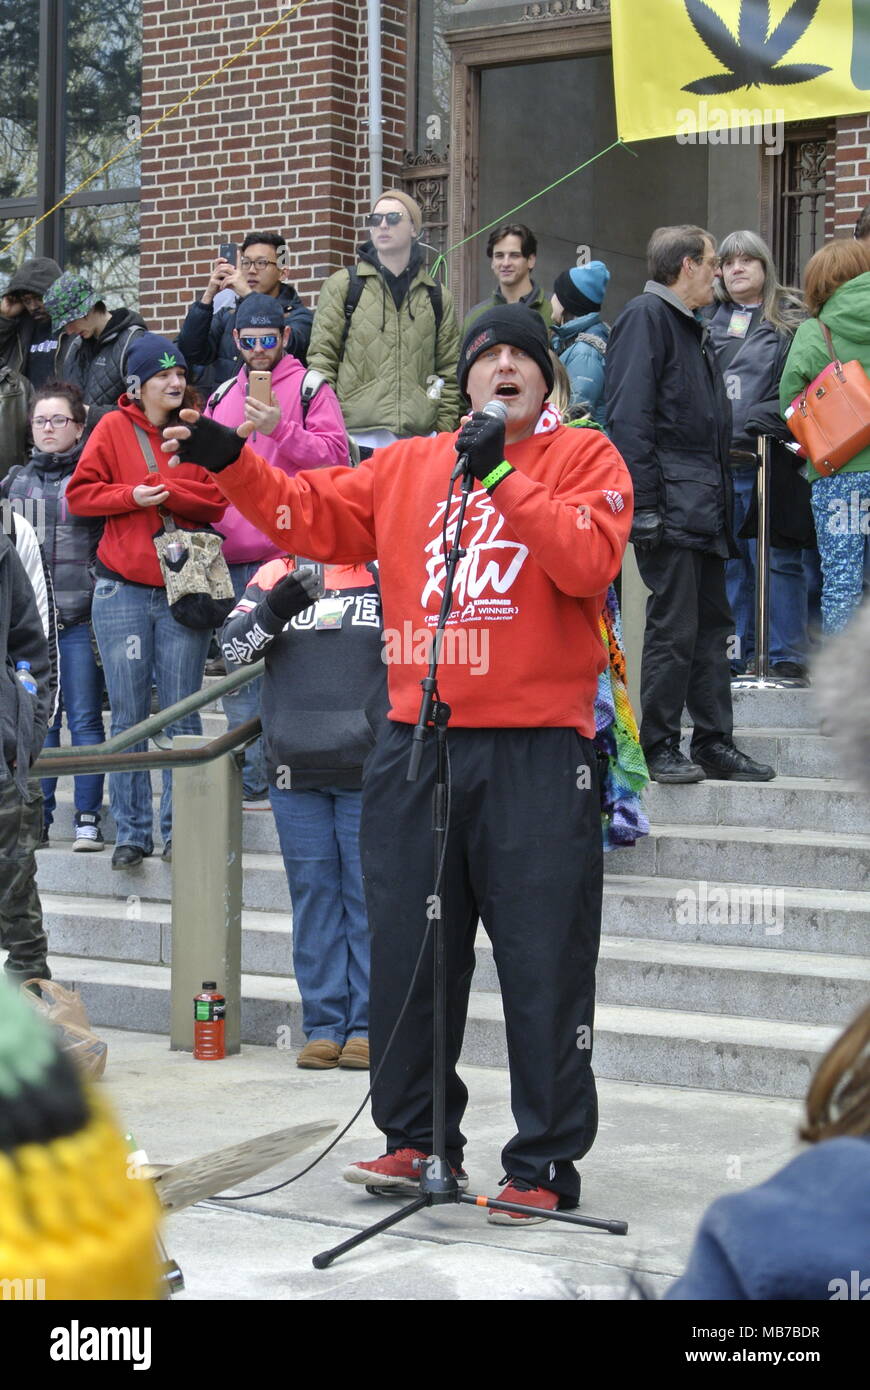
(662,1155)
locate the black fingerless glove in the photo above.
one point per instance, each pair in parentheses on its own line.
(646,529)
(481,439)
(293,593)
(211,445)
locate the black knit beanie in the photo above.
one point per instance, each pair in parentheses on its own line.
(514,324)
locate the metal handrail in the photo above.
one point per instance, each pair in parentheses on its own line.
(84,758)
(106,757)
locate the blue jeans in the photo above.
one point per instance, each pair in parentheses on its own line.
(841,507)
(244,704)
(319,836)
(81,695)
(141,643)
(788,589)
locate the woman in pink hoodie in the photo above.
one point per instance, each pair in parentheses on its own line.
(291,435)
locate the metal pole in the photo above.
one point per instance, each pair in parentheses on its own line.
(376,134)
(762,562)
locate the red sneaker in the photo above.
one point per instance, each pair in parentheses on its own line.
(535,1198)
(396,1170)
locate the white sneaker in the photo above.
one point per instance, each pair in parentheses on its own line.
(89,836)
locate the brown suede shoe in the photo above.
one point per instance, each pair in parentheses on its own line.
(319,1055)
(355,1054)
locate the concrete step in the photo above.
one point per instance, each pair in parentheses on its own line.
(787,803)
(61,870)
(721,854)
(774,709)
(754,1056)
(791,752)
(258,825)
(733,853)
(741,980)
(826,921)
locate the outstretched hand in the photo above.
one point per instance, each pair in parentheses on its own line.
(203,441)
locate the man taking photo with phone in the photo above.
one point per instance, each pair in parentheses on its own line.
(206,338)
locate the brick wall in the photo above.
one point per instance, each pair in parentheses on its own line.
(276,142)
(850,187)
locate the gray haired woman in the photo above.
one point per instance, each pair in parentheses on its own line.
(751,329)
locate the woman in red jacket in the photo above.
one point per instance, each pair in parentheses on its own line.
(140,642)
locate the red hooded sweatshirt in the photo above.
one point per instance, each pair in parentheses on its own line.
(522,648)
(110,467)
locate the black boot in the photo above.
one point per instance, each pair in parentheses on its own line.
(667,764)
(725,762)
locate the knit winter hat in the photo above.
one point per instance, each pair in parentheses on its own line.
(581,289)
(70,297)
(259,311)
(514,324)
(149,354)
(414,211)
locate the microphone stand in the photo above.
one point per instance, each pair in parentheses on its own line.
(438,1185)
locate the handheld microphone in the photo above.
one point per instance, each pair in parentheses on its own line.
(497,410)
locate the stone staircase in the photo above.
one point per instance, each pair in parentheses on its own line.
(735,936)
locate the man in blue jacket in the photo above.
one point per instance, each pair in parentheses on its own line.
(206,338)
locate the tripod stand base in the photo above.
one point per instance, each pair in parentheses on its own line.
(533,1215)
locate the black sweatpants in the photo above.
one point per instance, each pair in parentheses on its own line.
(685,646)
(524,854)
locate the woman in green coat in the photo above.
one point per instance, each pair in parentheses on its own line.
(837,292)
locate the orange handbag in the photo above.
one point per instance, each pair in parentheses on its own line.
(830,418)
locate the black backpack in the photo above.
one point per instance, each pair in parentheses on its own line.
(356,284)
(311,384)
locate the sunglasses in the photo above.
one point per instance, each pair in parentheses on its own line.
(267,342)
(376,219)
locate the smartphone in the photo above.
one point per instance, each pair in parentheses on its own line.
(229,251)
(314,565)
(260,387)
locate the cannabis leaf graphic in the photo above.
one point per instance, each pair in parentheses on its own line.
(167,361)
(753,56)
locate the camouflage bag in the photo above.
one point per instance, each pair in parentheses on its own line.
(199,589)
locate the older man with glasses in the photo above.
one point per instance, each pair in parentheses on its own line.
(207,339)
(385,334)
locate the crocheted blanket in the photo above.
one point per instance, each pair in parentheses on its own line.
(621,763)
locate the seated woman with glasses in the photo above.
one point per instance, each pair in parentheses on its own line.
(206,337)
(38,489)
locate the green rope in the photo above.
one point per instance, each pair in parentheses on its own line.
(441,260)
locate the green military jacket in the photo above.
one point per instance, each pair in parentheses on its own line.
(393,372)
(537,301)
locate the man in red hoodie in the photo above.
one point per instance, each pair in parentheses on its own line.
(544,535)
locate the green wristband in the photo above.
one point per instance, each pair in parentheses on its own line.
(500,471)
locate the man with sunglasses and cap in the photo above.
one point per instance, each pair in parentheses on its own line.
(291,436)
(385,333)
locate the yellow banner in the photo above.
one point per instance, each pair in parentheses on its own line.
(683,66)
